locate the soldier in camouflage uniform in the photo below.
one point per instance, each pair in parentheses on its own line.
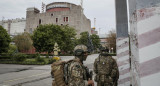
(106,69)
(76,69)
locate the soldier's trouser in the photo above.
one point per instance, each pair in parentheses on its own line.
(104,84)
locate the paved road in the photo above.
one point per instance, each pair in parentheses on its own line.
(32,75)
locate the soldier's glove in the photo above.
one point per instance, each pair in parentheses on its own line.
(90,83)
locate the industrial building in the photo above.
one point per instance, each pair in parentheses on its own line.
(59,13)
(14,26)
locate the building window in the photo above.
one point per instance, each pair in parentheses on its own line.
(52,14)
(56,20)
(40,21)
(66,19)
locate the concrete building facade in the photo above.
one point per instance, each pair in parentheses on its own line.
(138,53)
(59,13)
(14,26)
(145,42)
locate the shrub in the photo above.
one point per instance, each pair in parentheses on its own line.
(40,59)
(19,57)
(12,50)
(33,56)
(4,57)
(51,61)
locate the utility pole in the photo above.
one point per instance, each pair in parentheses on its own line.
(94,22)
(99,31)
(2,20)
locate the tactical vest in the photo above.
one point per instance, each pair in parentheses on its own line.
(104,65)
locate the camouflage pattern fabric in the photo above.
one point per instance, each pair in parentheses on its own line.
(54,83)
(83,47)
(58,73)
(77,74)
(106,70)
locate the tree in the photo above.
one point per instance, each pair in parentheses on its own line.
(83,38)
(111,39)
(23,41)
(95,40)
(91,41)
(12,49)
(4,40)
(68,36)
(45,36)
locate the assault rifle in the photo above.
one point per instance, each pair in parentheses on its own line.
(89,74)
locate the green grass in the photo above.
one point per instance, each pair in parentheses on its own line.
(31,61)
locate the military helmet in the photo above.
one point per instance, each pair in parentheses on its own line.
(104,49)
(79,49)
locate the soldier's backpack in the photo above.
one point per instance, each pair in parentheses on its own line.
(57,71)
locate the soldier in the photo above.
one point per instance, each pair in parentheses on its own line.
(106,69)
(76,69)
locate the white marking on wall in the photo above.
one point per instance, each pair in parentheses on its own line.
(122,41)
(124,76)
(123,58)
(125,84)
(148,24)
(122,50)
(149,52)
(121,68)
(152,80)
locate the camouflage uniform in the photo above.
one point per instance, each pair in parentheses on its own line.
(77,74)
(76,69)
(106,70)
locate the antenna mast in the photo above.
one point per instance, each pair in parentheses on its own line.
(82,5)
(43,7)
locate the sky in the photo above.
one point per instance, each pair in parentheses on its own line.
(102,10)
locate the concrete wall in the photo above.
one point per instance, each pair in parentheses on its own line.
(14,26)
(145,42)
(122,43)
(76,18)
